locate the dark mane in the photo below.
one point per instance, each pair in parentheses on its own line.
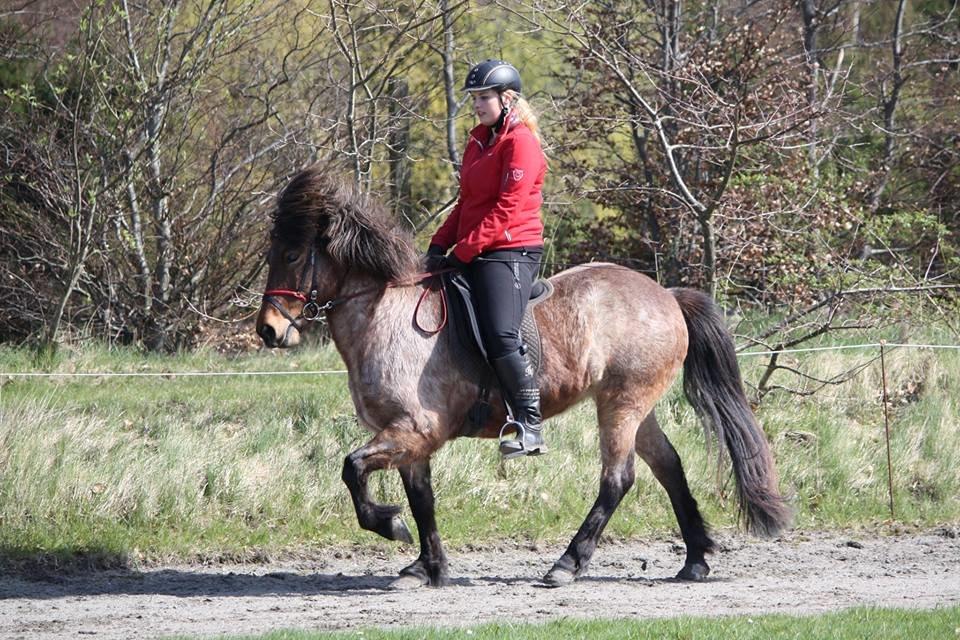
(354,229)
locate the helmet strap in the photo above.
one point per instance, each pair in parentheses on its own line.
(504,110)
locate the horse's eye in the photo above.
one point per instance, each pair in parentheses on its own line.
(292,256)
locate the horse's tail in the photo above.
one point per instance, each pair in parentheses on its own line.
(712,384)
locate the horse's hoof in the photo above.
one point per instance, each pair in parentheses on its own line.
(399,530)
(385,520)
(694,572)
(423,574)
(558,577)
(408,583)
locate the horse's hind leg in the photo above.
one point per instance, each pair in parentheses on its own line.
(656,450)
(431,567)
(618,425)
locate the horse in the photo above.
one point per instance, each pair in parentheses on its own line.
(608,333)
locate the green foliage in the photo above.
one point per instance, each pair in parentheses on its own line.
(15,72)
(853,624)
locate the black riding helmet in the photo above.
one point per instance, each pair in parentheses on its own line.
(493,74)
(498,75)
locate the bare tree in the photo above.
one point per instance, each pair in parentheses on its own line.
(166,191)
(761,150)
(691,112)
(377,48)
(57,172)
(890,100)
(822,18)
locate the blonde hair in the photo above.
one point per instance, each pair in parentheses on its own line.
(524,111)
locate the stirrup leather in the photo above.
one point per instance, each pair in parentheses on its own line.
(518,446)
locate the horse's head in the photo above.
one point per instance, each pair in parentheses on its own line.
(324,234)
(301,279)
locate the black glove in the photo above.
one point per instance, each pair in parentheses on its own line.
(453,262)
(435,260)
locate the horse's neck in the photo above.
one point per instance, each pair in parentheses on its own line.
(368,322)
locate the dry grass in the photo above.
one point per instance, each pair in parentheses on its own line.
(197,466)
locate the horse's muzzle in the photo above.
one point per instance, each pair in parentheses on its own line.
(268,335)
(275,336)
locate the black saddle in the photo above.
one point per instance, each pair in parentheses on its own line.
(463,336)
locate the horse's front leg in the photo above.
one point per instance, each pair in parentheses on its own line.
(431,567)
(386,449)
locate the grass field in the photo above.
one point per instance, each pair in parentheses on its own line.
(855,624)
(114,469)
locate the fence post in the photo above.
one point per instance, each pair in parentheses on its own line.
(886,424)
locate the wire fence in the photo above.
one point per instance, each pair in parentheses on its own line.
(164,374)
(172,374)
(868,345)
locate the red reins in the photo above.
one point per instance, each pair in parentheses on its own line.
(330,304)
(443,309)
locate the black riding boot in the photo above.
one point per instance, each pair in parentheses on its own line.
(521,392)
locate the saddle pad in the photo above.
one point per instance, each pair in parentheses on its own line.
(463,330)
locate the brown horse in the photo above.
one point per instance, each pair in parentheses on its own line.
(607,332)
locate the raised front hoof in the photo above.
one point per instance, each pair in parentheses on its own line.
(386,521)
(694,572)
(397,530)
(559,577)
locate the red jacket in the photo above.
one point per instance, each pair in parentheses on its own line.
(499,204)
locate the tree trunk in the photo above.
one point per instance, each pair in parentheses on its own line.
(890,104)
(449,86)
(397,150)
(808,11)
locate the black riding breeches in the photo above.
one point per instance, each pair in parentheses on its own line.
(500,283)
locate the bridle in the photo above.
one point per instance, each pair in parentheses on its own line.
(312,310)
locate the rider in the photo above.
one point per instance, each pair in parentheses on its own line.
(498,234)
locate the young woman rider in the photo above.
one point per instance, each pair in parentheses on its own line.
(496,233)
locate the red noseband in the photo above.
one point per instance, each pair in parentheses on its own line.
(289,293)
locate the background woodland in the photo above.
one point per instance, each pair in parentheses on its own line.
(800,158)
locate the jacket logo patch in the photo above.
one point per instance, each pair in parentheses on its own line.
(516,174)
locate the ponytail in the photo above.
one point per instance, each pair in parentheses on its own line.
(523,111)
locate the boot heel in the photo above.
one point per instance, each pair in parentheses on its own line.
(521,394)
(516,447)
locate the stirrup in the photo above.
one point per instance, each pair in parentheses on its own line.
(516,447)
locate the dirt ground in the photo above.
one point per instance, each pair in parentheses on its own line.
(803,572)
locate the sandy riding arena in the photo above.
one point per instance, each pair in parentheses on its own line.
(800,573)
